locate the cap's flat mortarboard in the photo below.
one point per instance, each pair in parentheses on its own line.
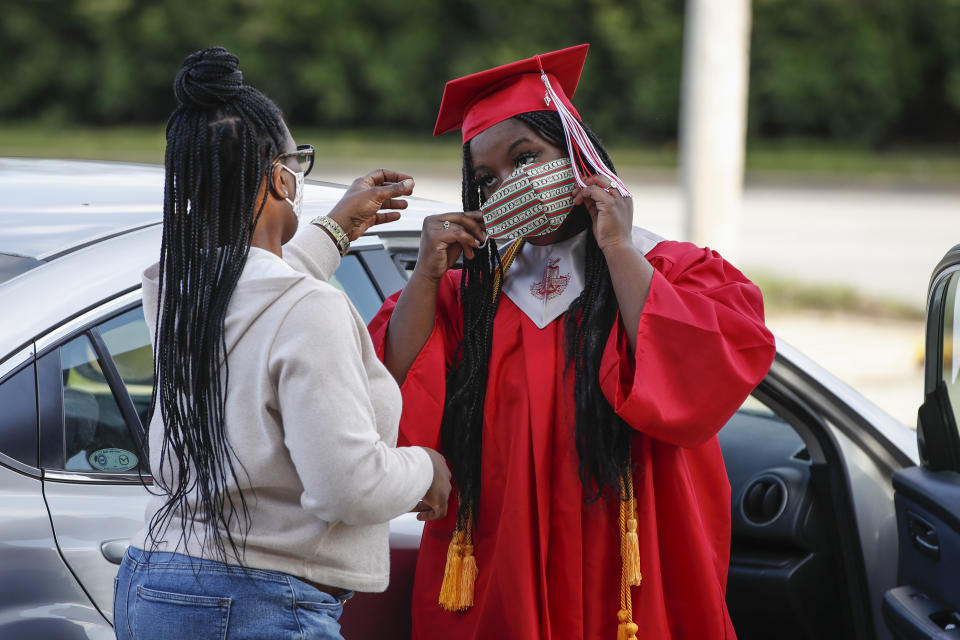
(544,82)
(476,102)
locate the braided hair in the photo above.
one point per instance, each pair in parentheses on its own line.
(601,437)
(221,140)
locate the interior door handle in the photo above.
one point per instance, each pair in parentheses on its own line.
(923,536)
(113,550)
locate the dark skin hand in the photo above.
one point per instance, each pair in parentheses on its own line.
(496,152)
(361,207)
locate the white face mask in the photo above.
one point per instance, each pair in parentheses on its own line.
(297,202)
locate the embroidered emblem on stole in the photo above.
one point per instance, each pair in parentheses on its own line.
(553,284)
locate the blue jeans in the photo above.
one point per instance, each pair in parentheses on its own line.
(169,596)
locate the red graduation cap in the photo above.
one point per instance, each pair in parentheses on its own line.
(544,82)
(476,102)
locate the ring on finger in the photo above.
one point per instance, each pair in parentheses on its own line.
(446,225)
(611,189)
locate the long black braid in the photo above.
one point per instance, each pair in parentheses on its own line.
(221,140)
(602,438)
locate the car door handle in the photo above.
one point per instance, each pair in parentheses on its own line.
(923,535)
(113,550)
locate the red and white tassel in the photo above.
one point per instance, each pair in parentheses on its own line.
(584,157)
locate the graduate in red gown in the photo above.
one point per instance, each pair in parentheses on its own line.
(574,373)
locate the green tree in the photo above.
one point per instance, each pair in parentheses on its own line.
(870,71)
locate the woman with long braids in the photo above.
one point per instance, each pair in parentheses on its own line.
(575,373)
(273,432)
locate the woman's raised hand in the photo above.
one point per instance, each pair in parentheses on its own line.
(362,206)
(611,212)
(444,238)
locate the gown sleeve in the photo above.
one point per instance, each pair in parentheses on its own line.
(425,387)
(701,348)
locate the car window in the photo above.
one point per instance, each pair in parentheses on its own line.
(951,343)
(388,278)
(758,435)
(127,338)
(96,436)
(352,278)
(406,261)
(18,416)
(755,407)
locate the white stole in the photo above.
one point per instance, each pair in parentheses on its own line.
(544,279)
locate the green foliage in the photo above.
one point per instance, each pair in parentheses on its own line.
(867,71)
(851,70)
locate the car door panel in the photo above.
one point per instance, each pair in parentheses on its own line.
(926,602)
(85,517)
(88,504)
(913,615)
(38,596)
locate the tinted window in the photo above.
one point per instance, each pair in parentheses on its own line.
(96,437)
(406,262)
(388,276)
(128,340)
(18,416)
(353,278)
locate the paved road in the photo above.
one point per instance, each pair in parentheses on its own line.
(882,241)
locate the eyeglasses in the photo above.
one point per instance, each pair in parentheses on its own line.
(303,156)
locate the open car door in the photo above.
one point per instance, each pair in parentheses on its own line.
(926,602)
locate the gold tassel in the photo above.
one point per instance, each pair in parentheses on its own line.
(460,573)
(630,560)
(626,628)
(468,577)
(631,551)
(449,588)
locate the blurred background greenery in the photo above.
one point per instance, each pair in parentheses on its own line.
(867,75)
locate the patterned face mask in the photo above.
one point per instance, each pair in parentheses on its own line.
(533,201)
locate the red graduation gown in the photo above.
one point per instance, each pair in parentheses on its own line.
(549,564)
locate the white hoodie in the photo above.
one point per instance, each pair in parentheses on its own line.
(312,417)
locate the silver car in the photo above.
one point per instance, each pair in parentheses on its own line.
(841,528)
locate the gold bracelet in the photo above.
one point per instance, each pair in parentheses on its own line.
(339,235)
